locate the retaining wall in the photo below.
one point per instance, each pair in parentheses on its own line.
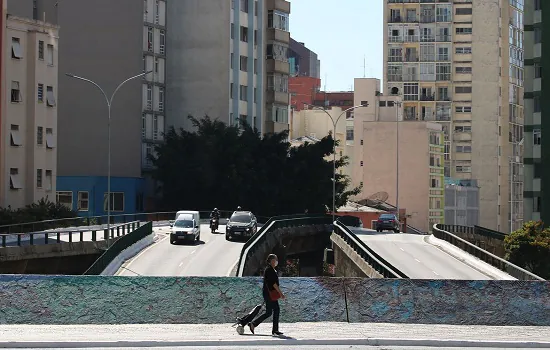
(130,300)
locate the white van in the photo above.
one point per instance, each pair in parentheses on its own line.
(186,227)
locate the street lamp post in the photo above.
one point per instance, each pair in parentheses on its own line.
(397,108)
(334,123)
(109,104)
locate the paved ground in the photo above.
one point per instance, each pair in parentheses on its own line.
(212,256)
(330,335)
(305,347)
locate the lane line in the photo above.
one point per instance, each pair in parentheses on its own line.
(193,252)
(181,264)
(436,273)
(402,249)
(418,261)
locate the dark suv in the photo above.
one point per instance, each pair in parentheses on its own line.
(242,225)
(387,222)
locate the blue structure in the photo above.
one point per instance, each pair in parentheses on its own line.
(87,194)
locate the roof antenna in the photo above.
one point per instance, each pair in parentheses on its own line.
(326,100)
(364,66)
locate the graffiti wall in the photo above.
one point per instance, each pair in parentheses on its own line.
(126,300)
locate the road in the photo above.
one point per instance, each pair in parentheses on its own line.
(412,255)
(212,256)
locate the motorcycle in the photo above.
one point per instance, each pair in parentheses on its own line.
(213,225)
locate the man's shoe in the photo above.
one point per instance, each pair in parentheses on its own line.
(277,333)
(251,326)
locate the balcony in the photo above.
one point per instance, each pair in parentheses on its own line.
(427,38)
(395,19)
(277,97)
(443,38)
(279,5)
(411,58)
(411,38)
(276,66)
(427,19)
(410,116)
(278,35)
(427,97)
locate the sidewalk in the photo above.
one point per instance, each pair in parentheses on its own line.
(298,334)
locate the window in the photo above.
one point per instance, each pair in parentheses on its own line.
(465,128)
(149,97)
(538,5)
(161,99)
(463,31)
(463,70)
(243,63)
(463,109)
(156,65)
(362,142)
(231,60)
(243,93)
(278,20)
(538,70)
(50,140)
(244,6)
(361,163)
(15,182)
(39,178)
(349,133)
(463,149)
(155,127)
(255,37)
(277,82)
(463,89)
(243,119)
(463,169)
(537,137)
(410,92)
(463,11)
(150,39)
(443,54)
(463,50)
(443,71)
(277,52)
(16,52)
(50,98)
(40,135)
(538,35)
(231,89)
(381,103)
(255,96)
(65,198)
(143,126)
(83,201)
(157,11)
(116,202)
(162,47)
(50,55)
(48,180)
(255,66)
(244,34)
(40,50)
(15,92)
(232,31)
(40,92)
(536,104)
(15,136)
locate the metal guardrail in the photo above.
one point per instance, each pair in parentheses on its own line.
(274,223)
(478,230)
(49,237)
(415,231)
(503,265)
(370,256)
(118,246)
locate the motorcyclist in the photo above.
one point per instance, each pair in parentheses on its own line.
(239,208)
(215,214)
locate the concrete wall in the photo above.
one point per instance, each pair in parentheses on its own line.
(127,300)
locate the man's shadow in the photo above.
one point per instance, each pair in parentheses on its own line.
(271,336)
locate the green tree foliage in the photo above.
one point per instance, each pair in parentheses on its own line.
(39,211)
(226,166)
(529,247)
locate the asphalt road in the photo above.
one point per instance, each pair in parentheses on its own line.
(416,258)
(212,256)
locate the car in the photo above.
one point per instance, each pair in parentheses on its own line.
(241,225)
(351,221)
(387,222)
(185,229)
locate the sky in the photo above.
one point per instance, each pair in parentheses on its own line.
(343,33)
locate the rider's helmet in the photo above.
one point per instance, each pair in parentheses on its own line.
(215,209)
(239,207)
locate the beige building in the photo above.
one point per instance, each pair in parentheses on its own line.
(460,64)
(29,115)
(378,138)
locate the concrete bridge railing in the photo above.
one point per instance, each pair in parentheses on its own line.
(498,262)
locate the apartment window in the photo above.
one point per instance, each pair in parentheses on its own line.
(256,8)
(538,70)
(40,50)
(538,5)
(50,98)
(15,92)
(50,140)
(537,137)
(255,96)
(48,180)
(463,169)
(536,104)
(83,201)
(161,99)
(231,89)
(443,71)
(410,92)
(231,59)
(16,51)
(40,92)
(145,11)
(143,126)
(463,89)
(243,93)
(162,46)
(40,136)
(150,39)
(157,12)
(443,54)
(463,50)
(15,136)
(244,6)
(155,127)
(465,128)
(243,63)
(117,201)
(362,163)
(50,54)
(463,31)
(39,178)
(242,120)
(463,11)
(463,70)
(255,66)
(362,142)
(244,34)
(538,35)
(395,54)
(15,181)
(232,4)
(232,31)
(463,109)
(349,133)
(255,37)
(463,149)
(277,52)
(156,65)
(381,103)
(149,97)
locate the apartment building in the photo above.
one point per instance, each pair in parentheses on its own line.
(460,64)
(229,60)
(386,152)
(536,174)
(29,115)
(303,61)
(3,14)
(106,41)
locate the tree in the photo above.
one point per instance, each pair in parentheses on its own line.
(225,166)
(529,247)
(39,211)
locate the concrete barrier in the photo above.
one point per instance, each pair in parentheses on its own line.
(26,299)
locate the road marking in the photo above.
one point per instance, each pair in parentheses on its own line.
(181,264)
(417,260)
(436,273)
(144,251)
(194,251)
(402,249)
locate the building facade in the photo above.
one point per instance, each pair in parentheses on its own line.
(229,60)
(107,42)
(303,61)
(303,91)
(460,64)
(536,173)
(461,202)
(29,120)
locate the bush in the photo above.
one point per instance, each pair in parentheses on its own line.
(529,247)
(39,211)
